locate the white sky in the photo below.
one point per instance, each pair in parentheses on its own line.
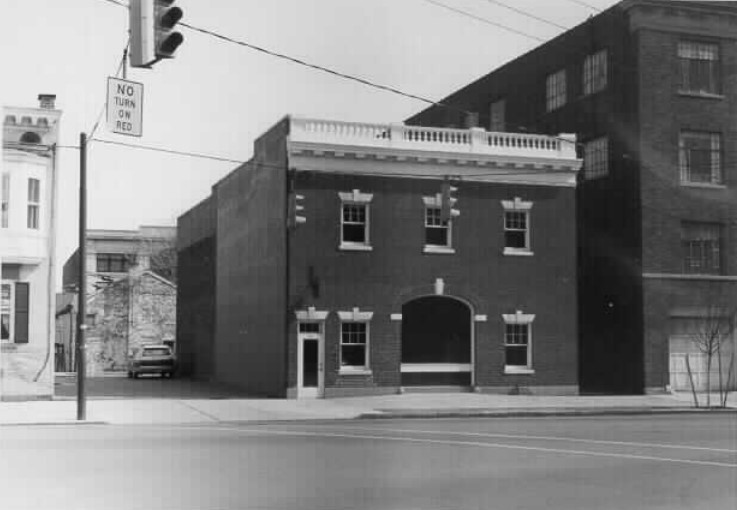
(216,97)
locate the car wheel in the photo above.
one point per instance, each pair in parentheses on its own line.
(135,375)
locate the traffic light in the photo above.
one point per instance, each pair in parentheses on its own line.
(152,34)
(167,40)
(295,208)
(447,201)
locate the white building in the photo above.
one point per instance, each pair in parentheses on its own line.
(27,244)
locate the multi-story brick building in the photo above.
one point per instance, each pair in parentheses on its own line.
(378,290)
(27,244)
(650,89)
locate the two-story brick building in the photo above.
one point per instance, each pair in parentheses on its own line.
(27,243)
(382,288)
(650,89)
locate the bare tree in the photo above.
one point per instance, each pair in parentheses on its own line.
(710,334)
(161,251)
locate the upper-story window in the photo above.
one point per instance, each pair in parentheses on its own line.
(596,158)
(555,90)
(34,203)
(699,65)
(595,72)
(354,220)
(517,227)
(5,200)
(114,262)
(6,311)
(497,116)
(701,247)
(700,157)
(438,231)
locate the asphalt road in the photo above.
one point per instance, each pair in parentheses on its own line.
(636,462)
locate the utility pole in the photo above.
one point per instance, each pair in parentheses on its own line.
(82,283)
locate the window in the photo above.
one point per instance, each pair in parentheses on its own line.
(354,340)
(555,90)
(700,158)
(595,72)
(438,233)
(5,200)
(496,116)
(701,247)
(596,158)
(699,65)
(517,227)
(114,262)
(34,203)
(354,220)
(518,343)
(6,308)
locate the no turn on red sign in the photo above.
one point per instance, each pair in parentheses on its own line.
(124,106)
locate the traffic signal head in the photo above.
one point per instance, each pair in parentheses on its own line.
(152,34)
(448,199)
(166,39)
(295,210)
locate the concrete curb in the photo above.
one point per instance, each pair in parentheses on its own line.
(54,423)
(522,413)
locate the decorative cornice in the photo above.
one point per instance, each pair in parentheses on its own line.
(355,315)
(690,277)
(518,318)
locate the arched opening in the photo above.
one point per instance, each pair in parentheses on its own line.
(30,137)
(436,342)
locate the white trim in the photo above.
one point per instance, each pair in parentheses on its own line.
(311,314)
(354,371)
(415,368)
(356,197)
(434,201)
(518,318)
(480,318)
(355,315)
(511,369)
(679,276)
(517,205)
(396,317)
(519,252)
(344,246)
(319,390)
(432,248)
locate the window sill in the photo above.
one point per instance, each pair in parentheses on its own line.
(355,247)
(704,185)
(518,252)
(446,250)
(518,370)
(355,371)
(702,95)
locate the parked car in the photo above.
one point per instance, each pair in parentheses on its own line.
(152,359)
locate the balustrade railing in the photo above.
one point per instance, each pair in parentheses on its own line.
(399,136)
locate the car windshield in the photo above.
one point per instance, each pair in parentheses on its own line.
(157,351)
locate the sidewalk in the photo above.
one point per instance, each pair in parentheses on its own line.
(411,405)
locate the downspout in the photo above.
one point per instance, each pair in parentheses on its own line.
(50,323)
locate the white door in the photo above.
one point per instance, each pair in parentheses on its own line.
(311,373)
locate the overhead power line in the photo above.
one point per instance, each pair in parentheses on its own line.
(484,20)
(527,14)
(104,104)
(168,151)
(584,4)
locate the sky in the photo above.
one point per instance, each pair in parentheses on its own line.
(216,97)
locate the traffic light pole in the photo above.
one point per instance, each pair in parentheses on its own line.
(82,282)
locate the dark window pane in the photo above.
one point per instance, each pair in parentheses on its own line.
(353,355)
(353,233)
(437,236)
(514,239)
(516,355)
(309,327)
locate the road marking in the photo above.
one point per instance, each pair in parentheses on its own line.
(471,443)
(543,438)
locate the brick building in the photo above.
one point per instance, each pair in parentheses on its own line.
(28,167)
(376,291)
(650,89)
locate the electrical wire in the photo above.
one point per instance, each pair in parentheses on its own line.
(584,4)
(484,20)
(168,151)
(104,105)
(527,14)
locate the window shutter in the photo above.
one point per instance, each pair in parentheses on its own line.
(21,312)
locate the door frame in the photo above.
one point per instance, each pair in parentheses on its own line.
(319,390)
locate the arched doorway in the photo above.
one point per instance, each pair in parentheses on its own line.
(436,342)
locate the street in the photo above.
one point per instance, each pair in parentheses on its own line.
(607,462)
